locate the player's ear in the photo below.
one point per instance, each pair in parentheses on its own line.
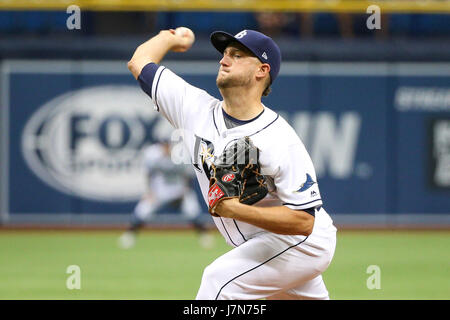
(263,70)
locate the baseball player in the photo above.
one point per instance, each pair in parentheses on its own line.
(168,184)
(283,243)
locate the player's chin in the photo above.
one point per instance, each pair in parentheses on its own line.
(223,81)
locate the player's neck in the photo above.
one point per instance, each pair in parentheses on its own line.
(241,106)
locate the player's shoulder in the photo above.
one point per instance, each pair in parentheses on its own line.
(280,132)
(193,93)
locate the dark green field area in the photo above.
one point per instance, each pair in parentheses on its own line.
(169,265)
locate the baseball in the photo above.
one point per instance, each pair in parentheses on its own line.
(186,33)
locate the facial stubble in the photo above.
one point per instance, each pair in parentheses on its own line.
(233,81)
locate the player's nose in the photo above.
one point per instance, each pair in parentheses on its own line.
(225,61)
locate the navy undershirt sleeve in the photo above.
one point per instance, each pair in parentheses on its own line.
(146,77)
(311,211)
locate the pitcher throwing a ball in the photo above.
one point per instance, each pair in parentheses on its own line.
(254,171)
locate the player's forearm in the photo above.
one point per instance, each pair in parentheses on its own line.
(152,50)
(280,219)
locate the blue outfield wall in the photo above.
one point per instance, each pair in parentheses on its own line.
(73,132)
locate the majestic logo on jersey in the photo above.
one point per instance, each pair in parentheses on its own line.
(87,143)
(308,184)
(214,195)
(228,177)
(241,34)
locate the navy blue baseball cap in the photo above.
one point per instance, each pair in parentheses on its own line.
(262,46)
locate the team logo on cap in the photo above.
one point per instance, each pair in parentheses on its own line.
(241,34)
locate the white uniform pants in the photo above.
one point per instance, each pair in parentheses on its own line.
(272,266)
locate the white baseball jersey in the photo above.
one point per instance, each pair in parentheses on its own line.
(283,157)
(262,264)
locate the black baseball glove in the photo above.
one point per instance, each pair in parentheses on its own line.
(236,173)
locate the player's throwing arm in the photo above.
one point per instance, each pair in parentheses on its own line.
(154,50)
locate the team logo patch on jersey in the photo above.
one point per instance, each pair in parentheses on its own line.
(308,184)
(203,154)
(214,194)
(228,177)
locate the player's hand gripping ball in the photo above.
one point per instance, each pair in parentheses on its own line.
(185,38)
(236,173)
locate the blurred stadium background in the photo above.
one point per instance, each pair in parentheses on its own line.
(371,105)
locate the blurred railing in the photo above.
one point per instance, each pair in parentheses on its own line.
(114,48)
(395,6)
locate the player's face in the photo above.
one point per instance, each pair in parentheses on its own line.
(237,67)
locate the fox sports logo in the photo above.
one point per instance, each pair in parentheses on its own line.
(88,142)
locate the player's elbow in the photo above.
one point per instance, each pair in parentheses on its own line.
(130,64)
(305,226)
(308,229)
(133,66)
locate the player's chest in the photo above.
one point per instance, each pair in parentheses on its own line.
(204,147)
